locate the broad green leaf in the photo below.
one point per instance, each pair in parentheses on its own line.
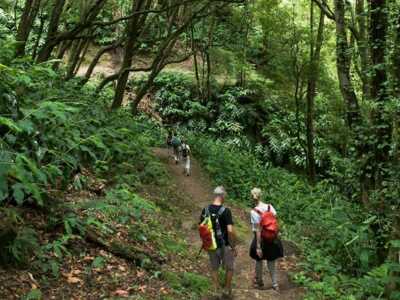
(18,193)
(10,124)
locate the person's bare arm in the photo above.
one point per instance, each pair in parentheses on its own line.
(232,238)
(258,240)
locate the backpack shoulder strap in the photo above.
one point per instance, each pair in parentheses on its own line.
(269,207)
(258,211)
(221,211)
(207,211)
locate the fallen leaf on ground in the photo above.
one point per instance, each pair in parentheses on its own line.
(121,293)
(73,280)
(122,268)
(142,288)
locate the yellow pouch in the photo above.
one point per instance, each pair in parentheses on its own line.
(207,221)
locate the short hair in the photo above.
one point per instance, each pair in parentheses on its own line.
(256,193)
(219,191)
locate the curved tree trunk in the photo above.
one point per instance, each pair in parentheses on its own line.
(96,59)
(47,49)
(76,49)
(133,31)
(82,57)
(29,13)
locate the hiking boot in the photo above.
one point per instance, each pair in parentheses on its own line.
(276,288)
(259,285)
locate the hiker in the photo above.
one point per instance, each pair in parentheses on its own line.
(176,144)
(221,245)
(169,139)
(266,245)
(185,154)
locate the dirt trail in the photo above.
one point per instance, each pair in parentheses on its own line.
(197,189)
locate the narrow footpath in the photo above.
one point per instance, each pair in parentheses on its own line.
(197,190)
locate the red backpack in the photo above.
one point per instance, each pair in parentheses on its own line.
(269,224)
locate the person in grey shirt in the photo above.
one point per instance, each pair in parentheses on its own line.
(224,255)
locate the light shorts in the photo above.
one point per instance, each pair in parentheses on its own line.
(221,257)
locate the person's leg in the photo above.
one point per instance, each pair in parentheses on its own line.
(215,280)
(228,281)
(215,262)
(176,158)
(228,260)
(259,272)
(187,166)
(272,270)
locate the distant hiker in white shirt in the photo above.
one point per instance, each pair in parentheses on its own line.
(185,154)
(262,248)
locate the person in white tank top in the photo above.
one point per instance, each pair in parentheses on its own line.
(259,250)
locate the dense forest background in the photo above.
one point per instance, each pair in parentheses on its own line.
(298,97)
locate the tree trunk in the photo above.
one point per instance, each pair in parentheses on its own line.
(106,81)
(133,31)
(379,92)
(195,63)
(157,66)
(96,59)
(38,37)
(208,58)
(313,75)
(362,44)
(62,48)
(45,52)
(29,13)
(343,66)
(159,61)
(82,57)
(54,38)
(73,59)
(396,55)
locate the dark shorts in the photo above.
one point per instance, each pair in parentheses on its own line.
(221,257)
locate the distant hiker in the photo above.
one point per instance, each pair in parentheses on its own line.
(216,231)
(266,245)
(169,139)
(176,144)
(185,154)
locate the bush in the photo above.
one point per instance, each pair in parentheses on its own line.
(50,133)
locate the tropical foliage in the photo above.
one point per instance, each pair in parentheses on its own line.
(300,98)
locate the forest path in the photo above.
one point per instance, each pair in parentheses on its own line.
(197,190)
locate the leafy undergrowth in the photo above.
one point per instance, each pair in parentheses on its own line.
(69,265)
(77,216)
(339,250)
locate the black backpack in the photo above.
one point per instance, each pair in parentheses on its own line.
(219,235)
